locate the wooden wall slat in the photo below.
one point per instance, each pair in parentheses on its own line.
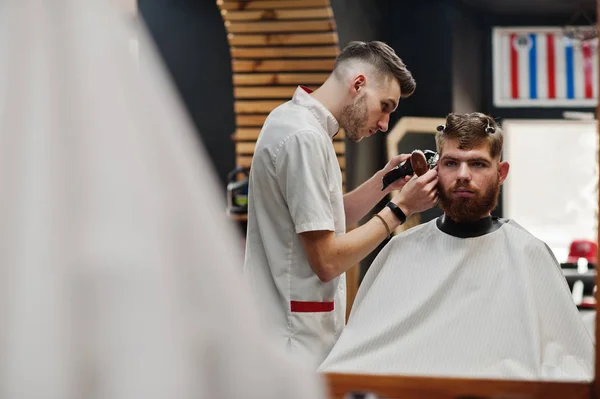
(282,65)
(242,79)
(285,92)
(245,161)
(282,39)
(255,107)
(284,52)
(247,133)
(277,15)
(242,120)
(251,133)
(270,4)
(247,148)
(279,26)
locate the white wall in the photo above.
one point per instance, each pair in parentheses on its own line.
(551,189)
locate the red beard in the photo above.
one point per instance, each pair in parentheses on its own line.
(463,209)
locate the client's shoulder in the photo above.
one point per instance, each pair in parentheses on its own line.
(512,227)
(522,237)
(415,232)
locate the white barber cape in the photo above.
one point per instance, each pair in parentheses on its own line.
(494,306)
(119,273)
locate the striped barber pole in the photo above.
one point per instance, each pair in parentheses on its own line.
(539,67)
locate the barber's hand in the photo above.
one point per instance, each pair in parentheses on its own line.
(419,193)
(395,161)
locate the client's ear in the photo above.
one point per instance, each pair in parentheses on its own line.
(503,171)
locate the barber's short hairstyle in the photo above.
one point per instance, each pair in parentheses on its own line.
(471,130)
(383,58)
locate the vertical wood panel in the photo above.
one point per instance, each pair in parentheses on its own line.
(276,45)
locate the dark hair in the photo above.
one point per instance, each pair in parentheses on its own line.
(383,58)
(471,130)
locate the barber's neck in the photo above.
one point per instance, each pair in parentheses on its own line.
(328,94)
(476,228)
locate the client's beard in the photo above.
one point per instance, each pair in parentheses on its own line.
(463,209)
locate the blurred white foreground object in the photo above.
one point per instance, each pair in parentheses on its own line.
(118,269)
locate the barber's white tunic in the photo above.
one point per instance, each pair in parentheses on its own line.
(494,306)
(295,186)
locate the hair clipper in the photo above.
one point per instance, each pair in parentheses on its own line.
(419,163)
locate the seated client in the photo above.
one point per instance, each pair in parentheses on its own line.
(466,294)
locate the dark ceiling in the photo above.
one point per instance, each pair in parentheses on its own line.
(528,7)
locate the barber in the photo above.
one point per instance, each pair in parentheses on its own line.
(297,248)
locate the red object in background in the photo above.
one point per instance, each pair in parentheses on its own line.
(588,302)
(583,249)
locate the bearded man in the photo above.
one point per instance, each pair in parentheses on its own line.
(466,294)
(297,248)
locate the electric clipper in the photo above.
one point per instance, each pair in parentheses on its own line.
(419,163)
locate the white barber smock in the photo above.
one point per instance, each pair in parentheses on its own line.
(493,306)
(295,186)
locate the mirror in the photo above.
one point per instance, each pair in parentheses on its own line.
(494,305)
(562,207)
(418,387)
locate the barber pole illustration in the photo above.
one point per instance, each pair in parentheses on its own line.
(540,67)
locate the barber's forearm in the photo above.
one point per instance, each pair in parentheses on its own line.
(349,249)
(362,199)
